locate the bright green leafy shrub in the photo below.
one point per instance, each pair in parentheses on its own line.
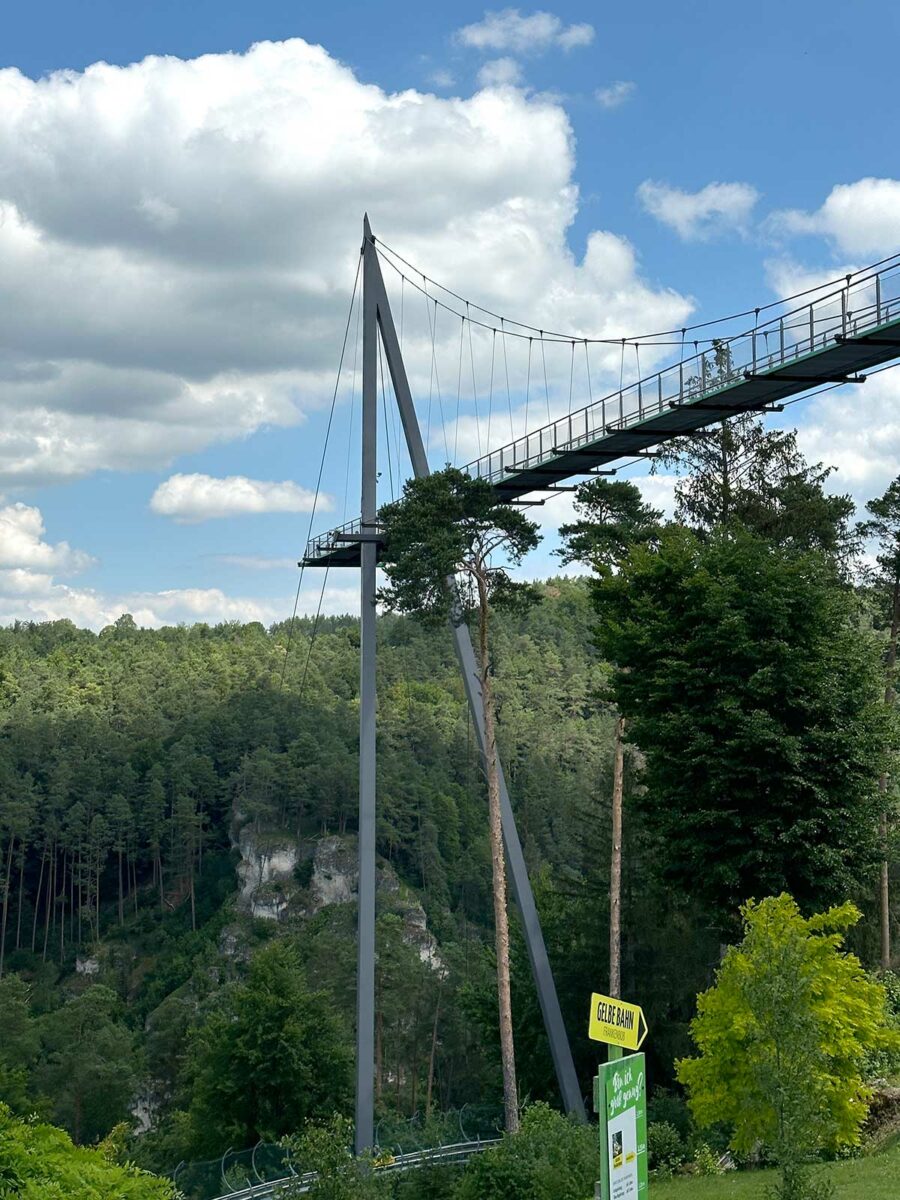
(665,1147)
(40,1162)
(550,1158)
(782,1037)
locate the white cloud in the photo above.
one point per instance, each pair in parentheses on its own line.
(442,78)
(21,544)
(30,589)
(177,240)
(658,491)
(615,94)
(192,498)
(32,597)
(861,218)
(509,30)
(500,72)
(857,430)
(698,215)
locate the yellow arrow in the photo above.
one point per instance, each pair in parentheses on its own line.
(617,1023)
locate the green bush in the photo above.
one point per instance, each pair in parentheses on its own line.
(665,1147)
(40,1162)
(430,1183)
(326,1148)
(666,1106)
(550,1158)
(885,1063)
(705,1162)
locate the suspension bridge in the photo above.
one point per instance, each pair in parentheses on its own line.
(758,361)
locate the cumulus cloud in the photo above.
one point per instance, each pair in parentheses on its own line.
(442,78)
(30,568)
(695,216)
(856,430)
(38,598)
(22,545)
(192,498)
(32,596)
(509,30)
(861,218)
(615,94)
(178,239)
(30,587)
(500,72)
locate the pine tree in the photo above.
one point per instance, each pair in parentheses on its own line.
(445,540)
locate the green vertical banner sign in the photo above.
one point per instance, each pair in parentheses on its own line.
(620,1099)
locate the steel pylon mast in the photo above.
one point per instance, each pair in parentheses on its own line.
(377,319)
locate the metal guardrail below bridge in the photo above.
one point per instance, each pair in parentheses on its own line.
(301,1183)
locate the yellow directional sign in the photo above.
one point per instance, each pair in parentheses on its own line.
(616,1022)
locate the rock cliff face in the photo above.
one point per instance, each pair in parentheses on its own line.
(265,873)
(281,881)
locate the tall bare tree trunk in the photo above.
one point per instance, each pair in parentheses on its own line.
(121,893)
(22,849)
(433,1055)
(37,903)
(884,823)
(498,864)
(379,1053)
(51,903)
(615,868)
(6,878)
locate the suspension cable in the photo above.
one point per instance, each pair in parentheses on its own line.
(475,391)
(312,515)
(387,253)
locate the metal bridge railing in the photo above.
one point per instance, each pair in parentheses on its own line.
(864,303)
(416,1160)
(331,539)
(402,1143)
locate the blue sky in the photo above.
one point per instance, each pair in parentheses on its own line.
(178,240)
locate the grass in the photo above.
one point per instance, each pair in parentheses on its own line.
(873,1178)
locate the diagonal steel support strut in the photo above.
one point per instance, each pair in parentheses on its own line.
(518,871)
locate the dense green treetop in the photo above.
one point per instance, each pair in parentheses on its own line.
(448,525)
(611,518)
(756,700)
(268,1056)
(741,473)
(88,1066)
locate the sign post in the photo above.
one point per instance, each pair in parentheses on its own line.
(620,1098)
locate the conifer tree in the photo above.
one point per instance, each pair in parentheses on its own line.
(446,543)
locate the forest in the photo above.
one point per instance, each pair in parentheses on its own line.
(738,660)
